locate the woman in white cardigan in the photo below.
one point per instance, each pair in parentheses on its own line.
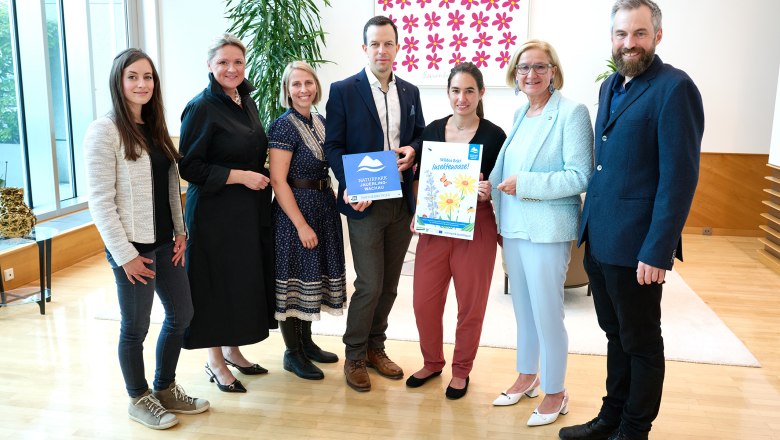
(543,167)
(135,201)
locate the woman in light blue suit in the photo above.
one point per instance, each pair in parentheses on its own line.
(543,167)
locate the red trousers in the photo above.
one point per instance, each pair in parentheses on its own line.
(470,265)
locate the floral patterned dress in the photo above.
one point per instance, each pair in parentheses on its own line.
(307,280)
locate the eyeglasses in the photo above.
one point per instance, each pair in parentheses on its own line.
(525,69)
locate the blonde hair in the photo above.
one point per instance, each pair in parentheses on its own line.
(284,94)
(225,40)
(545,47)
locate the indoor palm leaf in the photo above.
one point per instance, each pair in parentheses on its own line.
(275,32)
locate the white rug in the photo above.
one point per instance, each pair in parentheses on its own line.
(692,331)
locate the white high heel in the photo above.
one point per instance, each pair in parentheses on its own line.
(507,399)
(539,419)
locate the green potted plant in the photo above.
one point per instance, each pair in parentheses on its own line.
(611,68)
(275,33)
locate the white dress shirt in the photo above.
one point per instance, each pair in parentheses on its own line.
(389,108)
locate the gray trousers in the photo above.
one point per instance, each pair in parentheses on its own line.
(379,242)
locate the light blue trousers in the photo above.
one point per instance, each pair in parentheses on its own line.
(537,272)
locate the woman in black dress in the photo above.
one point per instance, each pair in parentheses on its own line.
(228,214)
(310,270)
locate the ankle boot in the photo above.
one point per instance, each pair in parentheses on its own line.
(295,360)
(311,349)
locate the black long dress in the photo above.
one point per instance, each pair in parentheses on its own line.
(230,249)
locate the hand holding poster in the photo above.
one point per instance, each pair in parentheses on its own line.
(447,191)
(372,176)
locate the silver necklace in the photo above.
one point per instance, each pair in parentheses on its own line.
(237,98)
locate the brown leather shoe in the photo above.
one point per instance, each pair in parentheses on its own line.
(357,375)
(377,359)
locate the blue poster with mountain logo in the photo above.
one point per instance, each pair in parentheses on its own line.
(372,176)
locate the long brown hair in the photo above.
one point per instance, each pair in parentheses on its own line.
(152,112)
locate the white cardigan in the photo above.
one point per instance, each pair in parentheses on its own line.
(121,195)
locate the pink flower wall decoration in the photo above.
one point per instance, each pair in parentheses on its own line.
(434,42)
(480,21)
(410,44)
(503,58)
(410,22)
(502,21)
(490,4)
(433,34)
(432,20)
(459,41)
(433,61)
(508,40)
(512,5)
(456,19)
(480,58)
(483,40)
(411,62)
(469,3)
(457,58)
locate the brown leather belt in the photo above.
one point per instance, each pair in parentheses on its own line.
(319,185)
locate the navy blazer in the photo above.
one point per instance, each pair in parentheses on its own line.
(647,167)
(352,126)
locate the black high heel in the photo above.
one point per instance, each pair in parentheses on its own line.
(235,387)
(250,370)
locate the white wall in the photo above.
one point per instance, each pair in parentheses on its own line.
(731,51)
(774,151)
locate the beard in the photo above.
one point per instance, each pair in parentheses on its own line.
(631,69)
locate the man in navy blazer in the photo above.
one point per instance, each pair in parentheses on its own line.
(648,138)
(373,111)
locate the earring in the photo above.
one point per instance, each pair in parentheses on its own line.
(551,88)
(517,88)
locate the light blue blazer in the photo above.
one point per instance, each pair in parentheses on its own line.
(554,172)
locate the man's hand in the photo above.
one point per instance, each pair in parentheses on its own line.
(647,274)
(357,206)
(405,162)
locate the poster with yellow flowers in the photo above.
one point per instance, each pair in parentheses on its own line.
(447,190)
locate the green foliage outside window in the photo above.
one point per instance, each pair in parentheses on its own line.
(9,117)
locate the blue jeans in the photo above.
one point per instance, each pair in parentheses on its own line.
(135,304)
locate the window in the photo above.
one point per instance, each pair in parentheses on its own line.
(55,57)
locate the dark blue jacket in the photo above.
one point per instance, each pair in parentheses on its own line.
(647,166)
(352,126)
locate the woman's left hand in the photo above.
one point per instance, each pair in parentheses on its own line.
(179,246)
(508,186)
(483,190)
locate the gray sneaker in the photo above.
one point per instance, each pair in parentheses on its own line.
(175,400)
(147,411)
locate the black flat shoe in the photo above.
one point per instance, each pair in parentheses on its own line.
(250,370)
(454,393)
(415,382)
(235,387)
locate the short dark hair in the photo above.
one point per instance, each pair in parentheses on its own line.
(655,11)
(379,20)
